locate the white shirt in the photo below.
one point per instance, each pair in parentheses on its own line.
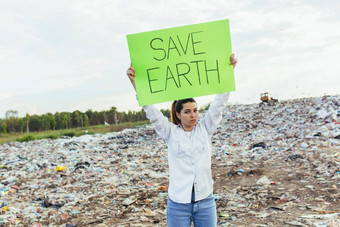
(189,157)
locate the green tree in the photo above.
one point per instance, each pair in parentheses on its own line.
(111,115)
(86,120)
(89,114)
(53,121)
(102,117)
(129,116)
(4,128)
(81,117)
(69,120)
(97,118)
(27,120)
(59,120)
(166,112)
(11,113)
(11,120)
(65,120)
(35,123)
(77,118)
(21,125)
(46,122)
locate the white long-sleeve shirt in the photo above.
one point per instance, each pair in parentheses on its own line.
(189,157)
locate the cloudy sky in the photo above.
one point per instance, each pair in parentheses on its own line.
(72,55)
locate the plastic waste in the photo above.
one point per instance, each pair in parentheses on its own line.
(60,168)
(275,165)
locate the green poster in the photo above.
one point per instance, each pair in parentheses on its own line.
(182,62)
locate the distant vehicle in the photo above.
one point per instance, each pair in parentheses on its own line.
(267,99)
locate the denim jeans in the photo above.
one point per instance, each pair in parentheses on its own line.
(202,213)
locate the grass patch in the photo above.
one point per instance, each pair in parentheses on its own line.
(69,134)
(25,138)
(55,134)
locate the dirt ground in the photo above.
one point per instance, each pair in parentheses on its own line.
(294,191)
(280,203)
(272,166)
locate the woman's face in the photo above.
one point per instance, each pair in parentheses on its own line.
(188,115)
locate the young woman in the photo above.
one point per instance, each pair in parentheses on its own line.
(190,193)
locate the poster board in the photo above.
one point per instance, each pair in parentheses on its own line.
(182,62)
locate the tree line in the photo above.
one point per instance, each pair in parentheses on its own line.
(67,120)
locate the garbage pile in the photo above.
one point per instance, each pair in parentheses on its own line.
(272,166)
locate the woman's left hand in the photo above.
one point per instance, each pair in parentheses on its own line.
(233,60)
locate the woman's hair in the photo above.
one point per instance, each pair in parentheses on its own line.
(177,106)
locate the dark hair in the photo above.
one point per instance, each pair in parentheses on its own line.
(177,106)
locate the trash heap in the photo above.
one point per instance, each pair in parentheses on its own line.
(273,165)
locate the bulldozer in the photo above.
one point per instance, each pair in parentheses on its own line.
(267,99)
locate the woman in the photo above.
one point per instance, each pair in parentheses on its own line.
(190,193)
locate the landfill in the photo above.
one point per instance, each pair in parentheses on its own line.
(273,165)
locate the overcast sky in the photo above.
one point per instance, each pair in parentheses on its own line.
(72,55)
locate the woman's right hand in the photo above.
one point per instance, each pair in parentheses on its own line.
(130,72)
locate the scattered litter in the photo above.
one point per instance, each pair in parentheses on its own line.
(273,165)
(263,181)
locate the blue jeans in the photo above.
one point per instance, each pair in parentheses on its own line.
(202,213)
